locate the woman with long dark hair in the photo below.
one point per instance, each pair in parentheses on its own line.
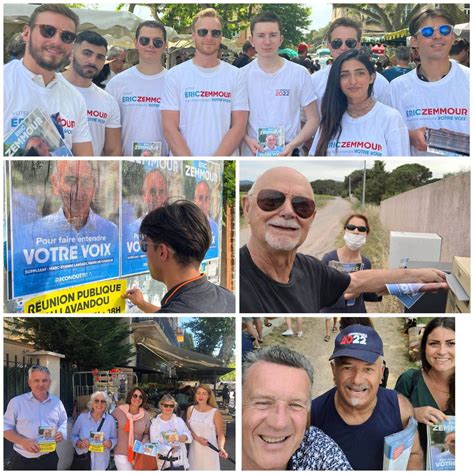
(431,390)
(353,123)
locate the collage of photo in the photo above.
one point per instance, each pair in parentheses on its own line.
(137,180)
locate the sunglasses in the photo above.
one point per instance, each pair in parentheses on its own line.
(48,31)
(204,31)
(428,31)
(145,41)
(102,402)
(143,245)
(337,43)
(167,405)
(270,199)
(360,228)
(137,395)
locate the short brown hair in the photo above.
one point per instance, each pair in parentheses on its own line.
(130,393)
(428,12)
(206,13)
(359,216)
(58,8)
(347,23)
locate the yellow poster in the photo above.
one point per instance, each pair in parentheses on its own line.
(101,297)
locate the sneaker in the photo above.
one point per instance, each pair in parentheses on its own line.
(288,332)
(299,334)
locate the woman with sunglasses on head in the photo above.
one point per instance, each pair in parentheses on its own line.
(133,423)
(168,428)
(94,420)
(356,231)
(206,425)
(352,121)
(431,389)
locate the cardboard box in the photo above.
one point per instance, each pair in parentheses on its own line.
(462,271)
(454,305)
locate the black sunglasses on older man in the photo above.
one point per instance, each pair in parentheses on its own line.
(269,200)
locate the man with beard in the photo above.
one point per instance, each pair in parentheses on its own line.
(103,113)
(357,413)
(33,81)
(139,91)
(274,278)
(205,107)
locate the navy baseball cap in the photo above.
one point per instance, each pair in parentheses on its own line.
(359,342)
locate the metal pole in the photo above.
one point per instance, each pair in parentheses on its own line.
(363,186)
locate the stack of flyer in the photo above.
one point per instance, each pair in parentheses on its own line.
(397,447)
(447,143)
(441,446)
(347,268)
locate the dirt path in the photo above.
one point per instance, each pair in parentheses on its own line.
(313,346)
(325,228)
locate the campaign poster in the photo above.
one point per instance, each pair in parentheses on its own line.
(146,185)
(64,224)
(203,186)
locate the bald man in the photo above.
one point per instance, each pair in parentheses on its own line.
(274,278)
(72,245)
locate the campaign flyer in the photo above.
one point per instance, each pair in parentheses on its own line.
(272,140)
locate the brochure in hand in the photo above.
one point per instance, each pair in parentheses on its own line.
(96,441)
(272,140)
(397,447)
(45,439)
(407,293)
(146,149)
(347,268)
(36,135)
(441,446)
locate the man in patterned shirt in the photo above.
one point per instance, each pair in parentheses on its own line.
(276,400)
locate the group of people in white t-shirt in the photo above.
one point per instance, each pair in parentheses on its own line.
(205,106)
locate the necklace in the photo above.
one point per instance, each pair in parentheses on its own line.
(359,110)
(436,386)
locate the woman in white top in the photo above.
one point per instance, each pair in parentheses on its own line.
(353,123)
(206,425)
(169,429)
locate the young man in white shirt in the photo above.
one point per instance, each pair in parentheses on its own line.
(205,108)
(436,93)
(344,34)
(139,91)
(33,81)
(103,113)
(277,89)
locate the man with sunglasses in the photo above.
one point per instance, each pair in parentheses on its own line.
(345,34)
(24,416)
(278,90)
(33,81)
(205,107)
(175,238)
(103,113)
(139,91)
(435,95)
(274,278)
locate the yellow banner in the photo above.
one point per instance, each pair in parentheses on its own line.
(100,297)
(47,446)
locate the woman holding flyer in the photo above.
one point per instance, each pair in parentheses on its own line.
(133,423)
(348,258)
(94,435)
(353,123)
(431,389)
(171,430)
(206,425)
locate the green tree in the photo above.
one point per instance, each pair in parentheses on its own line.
(86,342)
(406,177)
(211,334)
(188,342)
(230,376)
(375,184)
(229,183)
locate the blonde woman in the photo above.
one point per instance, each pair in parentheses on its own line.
(206,425)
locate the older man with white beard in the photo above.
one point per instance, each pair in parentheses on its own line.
(358,413)
(274,278)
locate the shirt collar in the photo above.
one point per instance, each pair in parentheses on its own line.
(30,396)
(38,78)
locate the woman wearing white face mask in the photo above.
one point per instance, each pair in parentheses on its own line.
(356,231)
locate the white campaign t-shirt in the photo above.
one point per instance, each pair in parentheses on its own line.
(275,99)
(205,99)
(440,104)
(24,91)
(102,112)
(381,132)
(320,80)
(139,97)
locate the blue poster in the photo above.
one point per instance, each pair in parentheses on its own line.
(146,185)
(74,239)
